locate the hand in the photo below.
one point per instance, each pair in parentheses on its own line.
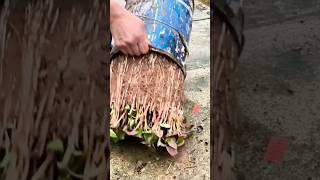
(128,31)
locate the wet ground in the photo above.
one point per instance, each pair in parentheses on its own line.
(279,89)
(131,160)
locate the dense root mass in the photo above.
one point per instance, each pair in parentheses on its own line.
(147,100)
(52,81)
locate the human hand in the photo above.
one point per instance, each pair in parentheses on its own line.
(128,31)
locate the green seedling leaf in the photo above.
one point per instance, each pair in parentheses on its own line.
(55,146)
(121,135)
(154,138)
(127,107)
(180,142)
(149,138)
(172,142)
(132,110)
(114,140)
(146,132)
(164,125)
(139,133)
(131,123)
(132,116)
(114,136)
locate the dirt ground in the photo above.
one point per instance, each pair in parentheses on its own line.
(279,89)
(131,160)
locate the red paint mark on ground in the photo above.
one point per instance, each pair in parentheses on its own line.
(277,149)
(196,109)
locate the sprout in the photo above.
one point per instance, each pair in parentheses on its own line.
(141,106)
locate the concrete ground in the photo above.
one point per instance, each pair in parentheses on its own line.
(279,89)
(131,160)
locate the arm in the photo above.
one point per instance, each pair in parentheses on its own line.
(128,31)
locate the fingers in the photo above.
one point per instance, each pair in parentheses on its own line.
(140,48)
(143,47)
(123,48)
(136,51)
(130,51)
(133,47)
(130,36)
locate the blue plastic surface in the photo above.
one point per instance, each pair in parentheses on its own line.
(168,24)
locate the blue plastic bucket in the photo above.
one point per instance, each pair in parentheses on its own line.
(168,24)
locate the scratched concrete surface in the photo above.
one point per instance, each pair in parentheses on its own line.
(130,160)
(279,89)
